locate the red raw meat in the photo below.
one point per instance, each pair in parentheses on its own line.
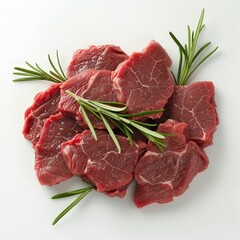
(49,165)
(44,105)
(89,84)
(105,57)
(143,81)
(99,163)
(194,104)
(162,175)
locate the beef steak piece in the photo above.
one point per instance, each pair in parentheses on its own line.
(143,81)
(105,57)
(49,163)
(99,163)
(44,105)
(89,84)
(194,104)
(162,175)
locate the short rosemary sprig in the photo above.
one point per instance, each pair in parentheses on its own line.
(83,193)
(189,53)
(36,73)
(110,114)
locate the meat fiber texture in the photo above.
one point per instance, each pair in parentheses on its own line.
(99,163)
(44,105)
(143,82)
(50,166)
(105,57)
(162,175)
(89,84)
(194,104)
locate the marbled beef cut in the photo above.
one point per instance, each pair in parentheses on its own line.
(49,163)
(89,84)
(143,81)
(44,105)
(99,163)
(105,57)
(194,104)
(162,175)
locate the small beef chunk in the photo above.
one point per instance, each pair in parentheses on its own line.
(99,163)
(49,165)
(143,81)
(105,57)
(162,175)
(194,104)
(44,105)
(89,84)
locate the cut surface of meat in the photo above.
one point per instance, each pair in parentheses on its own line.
(49,163)
(194,104)
(162,175)
(105,57)
(89,84)
(99,163)
(44,105)
(143,81)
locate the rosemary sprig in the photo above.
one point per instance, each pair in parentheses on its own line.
(189,53)
(83,193)
(36,73)
(72,193)
(111,114)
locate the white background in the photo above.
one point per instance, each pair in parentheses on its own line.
(29,30)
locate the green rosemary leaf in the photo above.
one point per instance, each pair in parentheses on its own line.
(73,204)
(189,40)
(128,128)
(179,65)
(147,131)
(89,123)
(182,49)
(174,78)
(33,67)
(71,193)
(139,114)
(128,134)
(119,125)
(112,103)
(203,60)
(58,74)
(22,74)
(145,124)
(111,133)
(60,67)
(200,50)
(90,109)
(108,107)
(26,71)
(27,79)
(42,71)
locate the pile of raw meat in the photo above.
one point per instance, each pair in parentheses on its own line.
(64,146)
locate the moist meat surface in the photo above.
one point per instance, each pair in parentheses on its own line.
(89,84)
(105,57)
(162,175)
(44,105)
(194,104)
(143,81)
(50,166)
(99,163)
